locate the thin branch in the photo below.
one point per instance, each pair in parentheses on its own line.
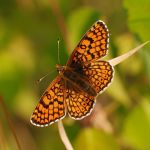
(60,21)
(63,136)
(2,138)
(4,108)
(121,58)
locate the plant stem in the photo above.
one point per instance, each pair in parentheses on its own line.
(64,136)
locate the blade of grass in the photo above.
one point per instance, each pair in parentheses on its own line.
(64,136)
(119,59)
(8,118)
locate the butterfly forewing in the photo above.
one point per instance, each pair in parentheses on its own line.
(51,106)
(92,46)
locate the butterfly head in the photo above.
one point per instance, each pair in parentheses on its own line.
(60,68)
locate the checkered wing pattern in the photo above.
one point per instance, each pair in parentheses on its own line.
(51,106)
(79,104)
(92,46)
(99,74)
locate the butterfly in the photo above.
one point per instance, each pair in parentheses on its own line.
(74,90)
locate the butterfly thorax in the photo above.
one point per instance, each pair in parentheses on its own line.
(75,79)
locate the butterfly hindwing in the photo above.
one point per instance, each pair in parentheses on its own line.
(99,74)
(79,103)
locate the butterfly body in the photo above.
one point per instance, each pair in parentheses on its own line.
(74,90)
(78,81)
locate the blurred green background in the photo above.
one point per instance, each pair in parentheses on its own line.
(29,30)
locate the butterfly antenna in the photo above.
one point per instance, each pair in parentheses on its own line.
(39,80)
(58,41)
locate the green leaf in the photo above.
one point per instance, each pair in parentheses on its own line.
(136,131)
(139,17)
(91,139)
(121,96)
(139,23)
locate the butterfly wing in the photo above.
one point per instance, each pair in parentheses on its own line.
(51,106)
(99,74)
(79,104)
(84,61)
(92,46)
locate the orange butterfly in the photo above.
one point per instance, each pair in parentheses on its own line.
(74,90)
